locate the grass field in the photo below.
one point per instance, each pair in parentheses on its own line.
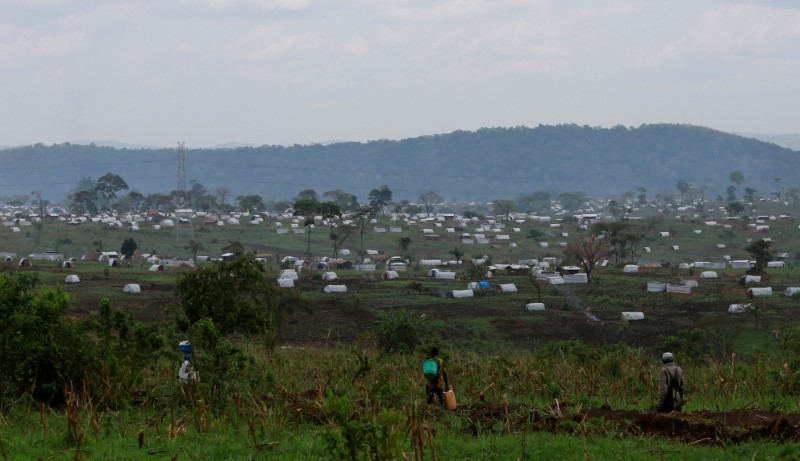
(552,384)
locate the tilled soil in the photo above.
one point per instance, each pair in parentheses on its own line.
(698,428)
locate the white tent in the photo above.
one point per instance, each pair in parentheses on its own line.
(390,275)
(508,288)
(739,308)
(445,275)
(751,278)
(289,274)
(792,291)
(463,293)
(72,278)
(156,267)
(535,306)
(329,276)
(557,280)
(286,283)
(632,315)
(132,288)
(335,289)
(776,264)
(630,268)
(759,291)
(67,264)
(709,275)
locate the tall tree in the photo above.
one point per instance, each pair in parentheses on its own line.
(736,177)
(380,198)
(457,253)
(760,252)
(504,208)
(683,187)
(612,232)
(128,248)
(221,194)
(39,202)
(108,185)
(430,200)
(136,199)
(250,203)
(306,209)
(342,199)
(307,194)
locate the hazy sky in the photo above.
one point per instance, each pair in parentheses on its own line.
(208,72)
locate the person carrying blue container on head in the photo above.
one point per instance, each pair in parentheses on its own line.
(187,374)
(435,376)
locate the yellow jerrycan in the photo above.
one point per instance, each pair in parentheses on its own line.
(450,399)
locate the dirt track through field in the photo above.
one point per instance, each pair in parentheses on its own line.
(698,428)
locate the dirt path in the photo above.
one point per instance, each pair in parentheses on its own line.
(700,428)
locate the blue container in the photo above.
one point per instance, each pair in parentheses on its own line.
(185,347)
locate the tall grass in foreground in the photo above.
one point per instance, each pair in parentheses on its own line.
(360,403)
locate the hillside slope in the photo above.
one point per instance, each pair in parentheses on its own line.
(487,164)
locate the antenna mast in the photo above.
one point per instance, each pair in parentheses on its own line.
(183,227)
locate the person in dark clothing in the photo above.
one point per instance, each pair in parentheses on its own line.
(439,384)
(670,386)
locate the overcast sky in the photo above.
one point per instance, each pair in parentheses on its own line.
(209,72)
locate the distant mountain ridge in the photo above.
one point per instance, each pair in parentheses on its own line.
(482,165)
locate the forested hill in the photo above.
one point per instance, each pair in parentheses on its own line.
(490,163)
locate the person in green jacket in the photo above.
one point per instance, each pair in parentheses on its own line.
(439,384)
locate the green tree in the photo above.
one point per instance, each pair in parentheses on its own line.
(457,253)
(642,197)
(613,232)
(194,246)
(42,349)
(136,199)
(734,208)
(504,208)
(128,248)
(306,209)
(683,187)
(237,297)
(749,194)
(307,195)
(404,243)
(234,247)
(730,192)
(83,202)
(572,200)
(380,198)
(108,185)
(736,177)
(345,201)
(400,330)
(250,203)
(760,252)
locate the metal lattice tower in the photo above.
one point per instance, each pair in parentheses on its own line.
(183,228)
(181,173)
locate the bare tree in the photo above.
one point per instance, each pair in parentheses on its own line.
(430,200)
(221,194)
(588,252)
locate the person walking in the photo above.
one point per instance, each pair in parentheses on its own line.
(436,383)
(670,385)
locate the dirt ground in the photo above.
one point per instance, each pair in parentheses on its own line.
(698,428)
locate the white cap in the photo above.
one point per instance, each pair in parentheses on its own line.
(666,356)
